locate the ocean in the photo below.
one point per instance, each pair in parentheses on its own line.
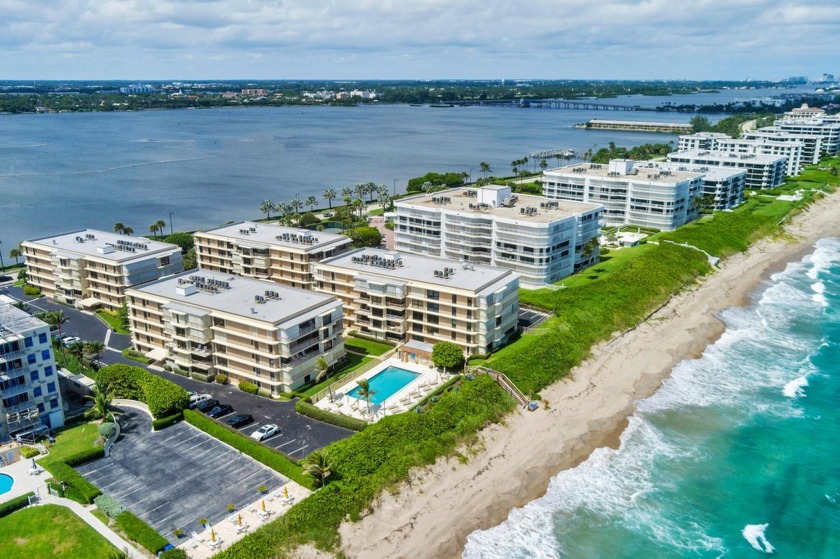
(735,456)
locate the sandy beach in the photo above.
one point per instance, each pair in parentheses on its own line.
(513,463)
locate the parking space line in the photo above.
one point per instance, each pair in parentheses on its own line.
(298,450)
(284,444)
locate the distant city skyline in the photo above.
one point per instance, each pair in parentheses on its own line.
(420,39)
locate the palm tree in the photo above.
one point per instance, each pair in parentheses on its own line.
(543,164)
(514,165)
(329,195)
(102,405)
(15,253)
(319,465)
(267,207)
(161,225)
(295,204)
(153,229)
(128,231)
(346,192)
(360,190)
(55,319)
(77,350)
(119,228)
(311,201)
(93,349)
(322,366)
(359,205)
(485,168)
(365,391)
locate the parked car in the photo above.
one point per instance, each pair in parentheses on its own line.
(196,399)
(265,431)
(70,340)
(207,405)
(220,410)
(239,420)
(328,214)
(5,278)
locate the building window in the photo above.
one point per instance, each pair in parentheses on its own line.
(50,387)
(41,408)
(34,376)
(48,371)
(45,355)
(37,392)
(31,358)
(42,337)
(164,261)
(54,403)
(28,341)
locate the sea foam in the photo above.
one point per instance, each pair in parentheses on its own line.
(754,533)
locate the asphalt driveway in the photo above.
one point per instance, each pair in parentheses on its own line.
(174,477)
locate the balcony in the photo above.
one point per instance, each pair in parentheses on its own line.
(15,390)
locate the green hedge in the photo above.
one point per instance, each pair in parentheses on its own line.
(29,452)
(85,456)
(78,488)
(248,387)
(274,459)
(314,412)
(164,397)
(140,532)
(165,422)
(17,503)
(202,377)
(375,459)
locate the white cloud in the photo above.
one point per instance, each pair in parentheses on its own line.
(405,39)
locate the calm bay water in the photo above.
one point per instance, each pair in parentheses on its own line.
(65,171)
(736,455)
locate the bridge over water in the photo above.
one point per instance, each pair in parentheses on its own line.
(549,104)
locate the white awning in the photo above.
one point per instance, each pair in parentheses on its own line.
(157,354)
(88,303)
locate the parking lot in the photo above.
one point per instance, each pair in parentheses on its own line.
(298,436)
(529,318)
(174,477)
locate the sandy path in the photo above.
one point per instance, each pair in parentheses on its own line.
(433,514)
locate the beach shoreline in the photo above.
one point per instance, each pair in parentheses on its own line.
(512,464)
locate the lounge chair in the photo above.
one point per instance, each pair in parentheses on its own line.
(242,528)
(197,537)
(193,543)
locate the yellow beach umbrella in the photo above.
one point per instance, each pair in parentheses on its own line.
(285,492)
(240,519)
(212,534)
(263,505)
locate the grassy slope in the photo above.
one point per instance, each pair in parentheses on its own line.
(50,531)
(71,441)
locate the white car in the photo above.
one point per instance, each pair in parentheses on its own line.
(70,340)
(265,431)
(196,399)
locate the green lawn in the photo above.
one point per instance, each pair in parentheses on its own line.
(50,531)
(112,321)
(352,363)
(365,347)
(71,441)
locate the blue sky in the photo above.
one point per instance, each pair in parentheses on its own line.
(417,39)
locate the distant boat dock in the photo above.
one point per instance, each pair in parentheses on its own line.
(636,126)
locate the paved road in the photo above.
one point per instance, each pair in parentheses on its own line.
(299,435)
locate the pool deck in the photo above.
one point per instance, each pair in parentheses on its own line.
(24,482)
(402,401)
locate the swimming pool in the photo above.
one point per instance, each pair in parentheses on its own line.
(6,483)
(386,383)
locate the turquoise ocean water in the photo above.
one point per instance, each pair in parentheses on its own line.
(736,456)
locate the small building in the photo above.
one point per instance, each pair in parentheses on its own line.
(542,240)
(30,398)
(284,255)
(763,171)
(629,194)
(90,268)
(408,297)
(202,322)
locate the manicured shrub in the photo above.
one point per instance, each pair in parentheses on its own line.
(31,291)
(140,532)
(314,412)
(109,505)
(107,430)
(29,451)
(202,376)
(165,422)
(274,459)
(164,397)
(78,488)
(174,553)
(85,456)
(221,378)
(17,503)
(248,387)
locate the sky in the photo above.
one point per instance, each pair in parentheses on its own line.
(417,39)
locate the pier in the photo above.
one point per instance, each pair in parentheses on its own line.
(549,104)
(637,126)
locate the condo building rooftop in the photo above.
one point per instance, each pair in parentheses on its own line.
(247,297)
(103,244)
(415,267)
(498,201)
(273,234)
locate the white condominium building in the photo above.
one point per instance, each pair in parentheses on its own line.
(701,140)
(724,185)
(254,330)
(791,149)
(89,268)
(402,297)
(826,127)
(267,251)
(543,241)
(30,400)
(811,145)
(630,196)
(763,171)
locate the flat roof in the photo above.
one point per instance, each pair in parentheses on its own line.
(14,321)
(266,234)
(726,156)
(459,204)
(712,172)
(235,295)
(602,170)
(87,242)
(420,268)
(641,123)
